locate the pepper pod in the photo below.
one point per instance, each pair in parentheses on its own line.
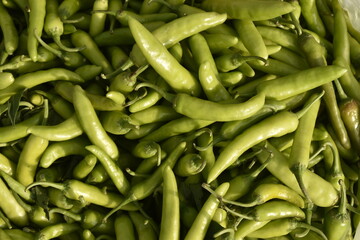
(350,113)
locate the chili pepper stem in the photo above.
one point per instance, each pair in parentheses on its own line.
(127,200)
(168,96)
(57,40)
(56,52)
(230,231)
(66,213)
(311,228)
(6,220)
(46,184)
(223,201)
(311,101)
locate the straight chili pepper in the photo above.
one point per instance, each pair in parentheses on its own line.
(36,24)
(10,33)
(91,51)
(315,55)
(342,53)
(170,218)
(124,228)
(202,221)
(254,10)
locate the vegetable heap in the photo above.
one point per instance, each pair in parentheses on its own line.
(177,119)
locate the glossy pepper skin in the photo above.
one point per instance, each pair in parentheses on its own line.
(350,113)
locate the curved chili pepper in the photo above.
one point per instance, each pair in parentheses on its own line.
(11,208)
(115,173)
(66,130)
(78,190)
(321,192)
(144,229)
(91,124)
(281,227)
(269,127)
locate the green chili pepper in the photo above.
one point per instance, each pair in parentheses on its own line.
(78,190)
(311,15)
(97,175)
(111,168)
(281,227)
(342,52)
(144,188)
(168,34)
(56,150)
(124,227)
(36,24)
(99,102)
(202,221)
(17,187)
(268,191)
(270,127)
(254,10)
(53,26)
(38,215)
(190,164)
(242,183)
(350,113)
(182,80)
(7,79)
(91,124)
(170,218)
(6,165)
(315,54)
(84,167)
(251,38)
(57,230)
(20,234)
(143,226)
(9,30)
(321,192)
(97,21)
(29,159)
(89,219)
(66,130)
(246,227)
(19,130)
(4,235)
(33,79)
(11,208)
(91,51)
(68,8)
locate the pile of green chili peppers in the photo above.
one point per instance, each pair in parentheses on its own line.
(179,119)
